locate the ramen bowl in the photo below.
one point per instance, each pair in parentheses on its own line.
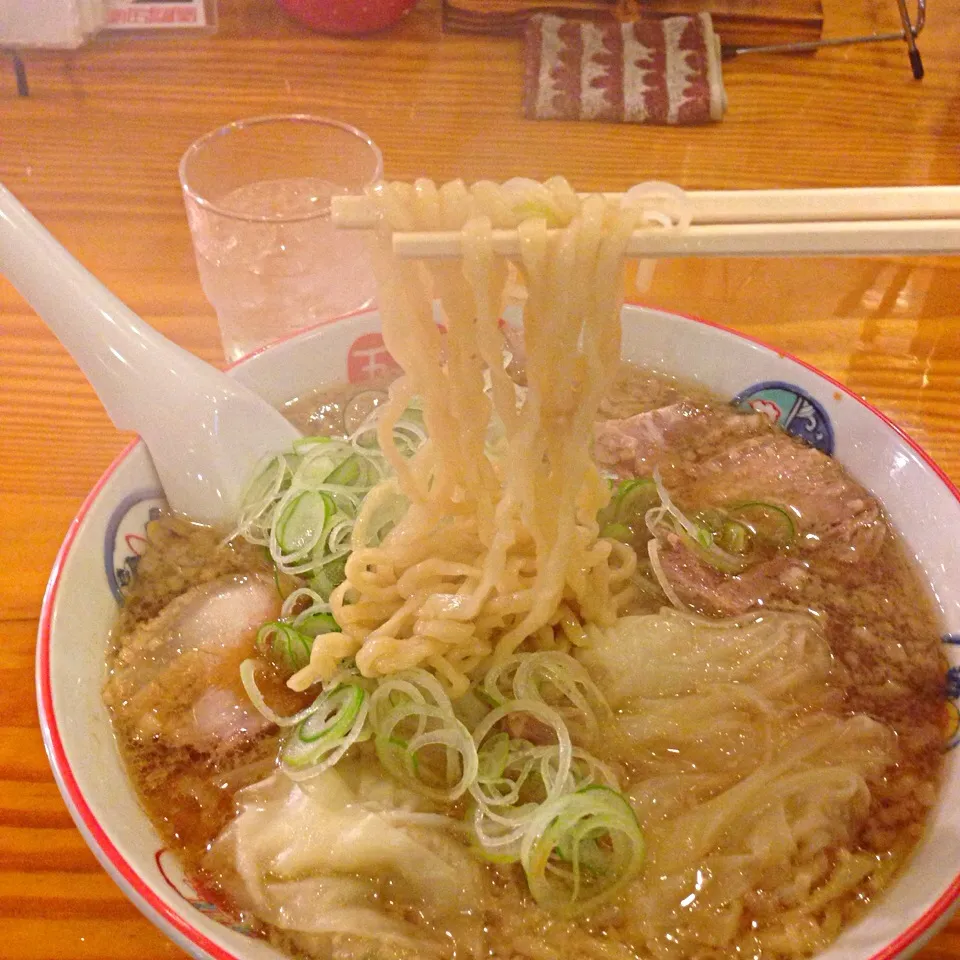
(99,556)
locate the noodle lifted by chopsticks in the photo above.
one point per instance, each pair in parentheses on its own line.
(492,551)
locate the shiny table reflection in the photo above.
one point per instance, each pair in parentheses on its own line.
(889,329)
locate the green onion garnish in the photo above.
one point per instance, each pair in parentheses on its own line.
(287,646)
(580,849)
(418,738)
(335,722)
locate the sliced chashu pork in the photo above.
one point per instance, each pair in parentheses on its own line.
(713,456)
(175,679)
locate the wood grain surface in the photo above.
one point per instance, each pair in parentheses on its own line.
(94,150)
(739,22)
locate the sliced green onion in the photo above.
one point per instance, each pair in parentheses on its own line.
(330,576)
(517,760)
(382,509)
(694,531)
(727,535)
(411,712)
(622,517)
(500,855)
(734,537)
(580,849)
(285,645)
(587,771)
(617,531)
(765,520)
(431,726)
(348,472)
(303,445)
(322,738)
(554,784)
(331,721)
(315,468)
(516,779)
(248,677)
(276,578)
(527,209)
(698,537)
(553,678)
(358,471)
(635,497)
(498,682)
(302,521)
(715,556)
(503,812)
(303,505)
(269,479)
(498,837)
(409,432)
(415,685)
(460,754)
(493,757)
(562,682)
(295,612)
(317,623)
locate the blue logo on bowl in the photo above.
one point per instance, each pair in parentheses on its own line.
(793,408)
(952,691)
(126,537)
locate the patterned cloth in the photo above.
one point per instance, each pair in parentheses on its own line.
(642,71)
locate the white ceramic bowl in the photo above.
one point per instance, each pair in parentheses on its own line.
(101,545)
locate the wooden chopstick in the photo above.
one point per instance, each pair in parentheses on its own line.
(864,220)
(840,204)
(831,238)
(761,206)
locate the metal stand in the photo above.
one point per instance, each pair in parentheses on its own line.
(909,34)
(19,72)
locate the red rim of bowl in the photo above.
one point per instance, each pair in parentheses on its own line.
(107,851)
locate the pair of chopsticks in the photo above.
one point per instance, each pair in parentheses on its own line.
(747,223)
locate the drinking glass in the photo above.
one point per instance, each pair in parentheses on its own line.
(257,194)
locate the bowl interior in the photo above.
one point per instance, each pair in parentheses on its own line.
(99,556)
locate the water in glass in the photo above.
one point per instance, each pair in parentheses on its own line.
(269,277)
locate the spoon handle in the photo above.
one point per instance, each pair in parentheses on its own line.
(110,343)
(205,431)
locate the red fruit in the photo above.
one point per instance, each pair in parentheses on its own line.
(347,16)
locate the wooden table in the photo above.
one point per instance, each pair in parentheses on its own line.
(93,152)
